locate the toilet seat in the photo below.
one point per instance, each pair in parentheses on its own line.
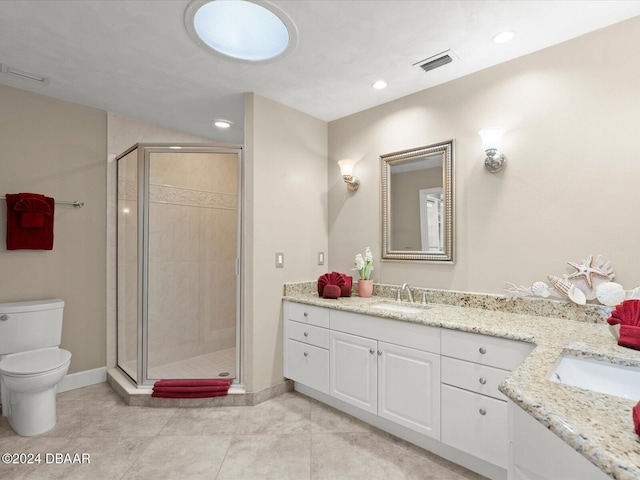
(34,362)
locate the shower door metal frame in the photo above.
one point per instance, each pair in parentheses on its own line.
(143,164)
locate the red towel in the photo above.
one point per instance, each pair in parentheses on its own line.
(629,337)
(331,291)
(333,278)
(345,290)
(636,418)
(198,388)
(193,383)
(29,221)
(190,389)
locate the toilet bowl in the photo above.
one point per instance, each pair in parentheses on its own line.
(29,381)
(31,363)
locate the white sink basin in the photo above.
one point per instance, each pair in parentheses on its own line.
(603,377)
(391,307)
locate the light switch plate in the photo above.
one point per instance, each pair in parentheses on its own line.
(320,258)
(279,259)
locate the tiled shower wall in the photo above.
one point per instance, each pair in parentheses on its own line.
(192,253)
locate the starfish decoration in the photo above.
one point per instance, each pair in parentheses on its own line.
(587,270)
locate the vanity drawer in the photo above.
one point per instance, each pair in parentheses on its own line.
(310,314)
(475,424)
(473,376)
(310,334)
(484,349)
(308,365)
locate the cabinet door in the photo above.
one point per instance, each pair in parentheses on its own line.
(354,370)
(409,388)
(475,424)
(308,365)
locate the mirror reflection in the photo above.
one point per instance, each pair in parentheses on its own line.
(417,204)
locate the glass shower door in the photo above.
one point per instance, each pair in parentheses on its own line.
(178,262)
(192,281)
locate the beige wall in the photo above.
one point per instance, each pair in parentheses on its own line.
(286,211)
(58,148)
(570,188)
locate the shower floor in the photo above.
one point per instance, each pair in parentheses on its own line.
(209,365)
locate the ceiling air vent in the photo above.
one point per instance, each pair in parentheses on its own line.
(21,74)
(436,61)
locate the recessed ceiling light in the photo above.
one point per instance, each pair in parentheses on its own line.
(246,30)
(221,123)
(379,85)
(504,37)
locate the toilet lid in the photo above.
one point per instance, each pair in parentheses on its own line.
(34,361)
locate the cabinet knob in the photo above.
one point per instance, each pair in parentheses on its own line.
(379,352)
(305,314)
(4,317)
(306,354)
(306,334)
(482,350)
(372,351)
(483,381)
(482,411)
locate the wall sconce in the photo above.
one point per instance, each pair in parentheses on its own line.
(491,138)
(346,170)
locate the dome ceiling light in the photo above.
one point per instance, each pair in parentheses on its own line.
(244,30)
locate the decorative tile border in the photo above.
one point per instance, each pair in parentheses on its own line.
(528,306)
(179,196)
(193,198)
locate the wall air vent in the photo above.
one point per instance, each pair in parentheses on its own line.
(22,75)
(436,61)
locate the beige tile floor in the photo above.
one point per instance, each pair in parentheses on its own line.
(289,437)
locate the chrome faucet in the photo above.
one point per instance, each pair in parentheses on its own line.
(407,287)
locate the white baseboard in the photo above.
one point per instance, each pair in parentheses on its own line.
(82,379)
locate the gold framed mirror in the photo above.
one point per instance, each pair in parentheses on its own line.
(417,204)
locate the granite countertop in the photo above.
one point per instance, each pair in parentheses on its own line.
(598,426)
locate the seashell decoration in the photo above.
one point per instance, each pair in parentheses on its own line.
(540,289)
(591,273)
(565,287)
(591,280)
(610,294)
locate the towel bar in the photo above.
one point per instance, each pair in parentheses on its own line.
(75,203)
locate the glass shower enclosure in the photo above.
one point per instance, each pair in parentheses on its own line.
(178,262)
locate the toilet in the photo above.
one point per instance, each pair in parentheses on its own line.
(31,364)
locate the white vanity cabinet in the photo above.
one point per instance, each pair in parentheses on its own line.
(306,352)
(387,368)
(434,387)
(474,412)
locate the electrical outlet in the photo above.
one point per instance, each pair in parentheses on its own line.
(279,259)
(320,258)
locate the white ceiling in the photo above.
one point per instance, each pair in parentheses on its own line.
(136,58)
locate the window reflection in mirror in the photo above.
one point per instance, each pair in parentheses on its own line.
(417,204)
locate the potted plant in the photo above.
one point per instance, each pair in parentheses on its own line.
(364,266)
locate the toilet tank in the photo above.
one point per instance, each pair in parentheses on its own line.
(30,325)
